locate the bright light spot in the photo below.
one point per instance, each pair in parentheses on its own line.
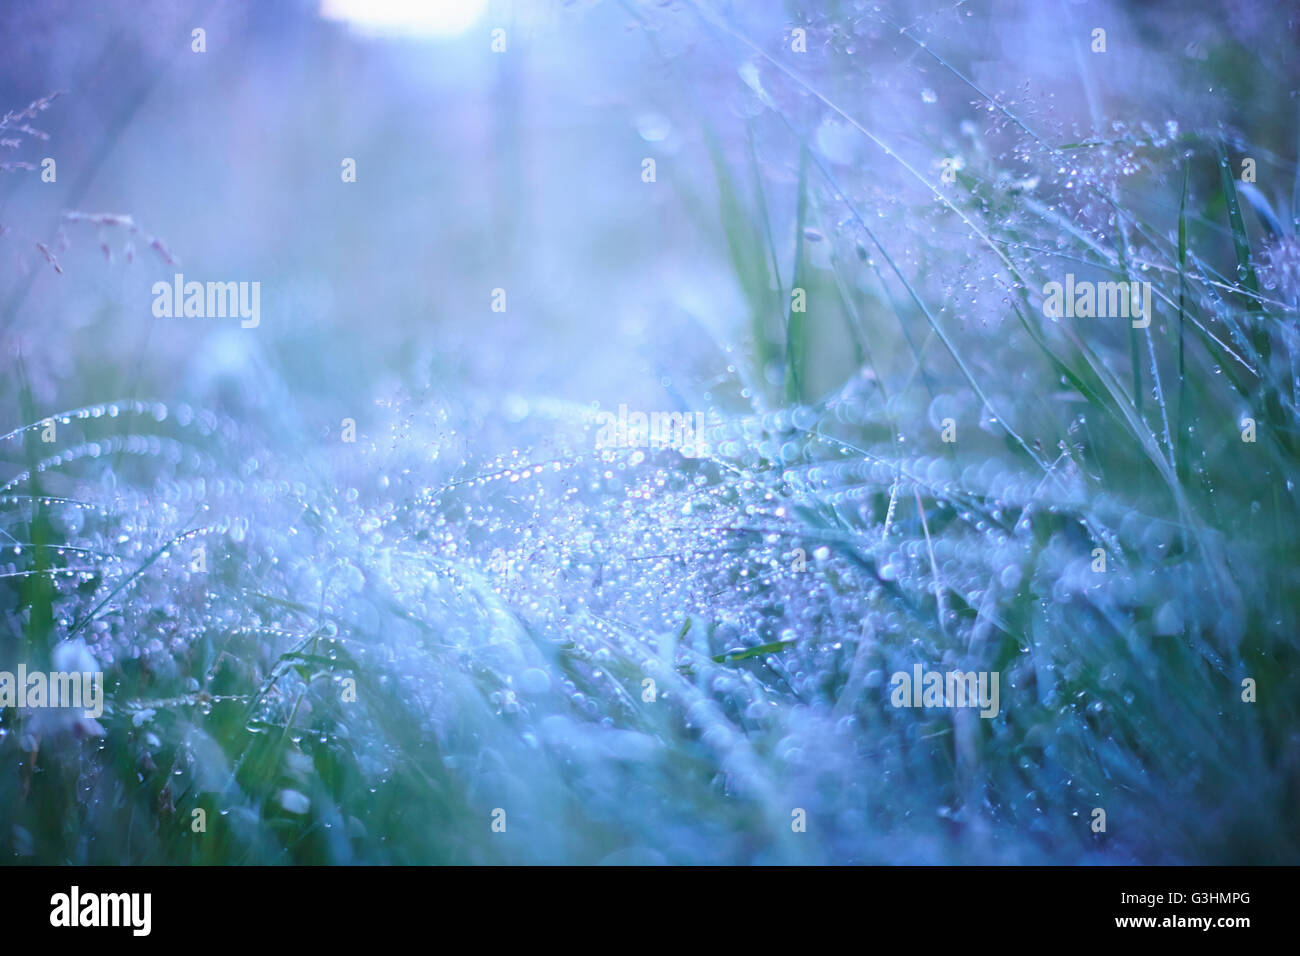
(440,18)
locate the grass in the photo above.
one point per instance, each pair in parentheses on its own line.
(646,658)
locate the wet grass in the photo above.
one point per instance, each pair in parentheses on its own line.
(319,652)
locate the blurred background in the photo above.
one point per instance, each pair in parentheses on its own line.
(479,170)
(501,620)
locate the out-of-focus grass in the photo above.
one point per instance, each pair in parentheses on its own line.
(481,685)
